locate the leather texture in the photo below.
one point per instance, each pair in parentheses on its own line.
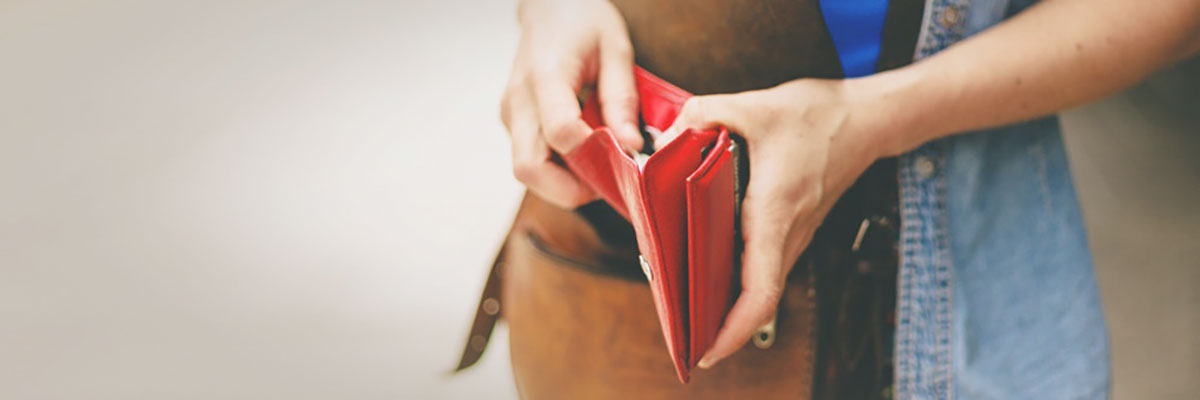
(681,203)
(711,246)
(579,329)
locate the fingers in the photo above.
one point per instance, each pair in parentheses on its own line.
(558,111)
(765,224)
(555,59)
(532,163)
(705,112)
(533,167)
(618,93)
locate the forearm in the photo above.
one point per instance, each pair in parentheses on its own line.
(1054,56)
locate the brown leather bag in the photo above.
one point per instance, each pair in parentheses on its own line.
(582,326)
(582,323)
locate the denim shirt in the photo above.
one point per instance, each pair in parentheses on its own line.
(997,296)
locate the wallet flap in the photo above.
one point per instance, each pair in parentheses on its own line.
(659,102)
(602,165)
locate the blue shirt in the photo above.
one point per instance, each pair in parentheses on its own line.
(998,298)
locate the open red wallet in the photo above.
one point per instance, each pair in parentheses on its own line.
(683,203)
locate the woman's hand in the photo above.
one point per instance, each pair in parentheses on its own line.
(566,46)
(807,145)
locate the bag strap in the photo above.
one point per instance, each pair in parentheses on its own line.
(486,315)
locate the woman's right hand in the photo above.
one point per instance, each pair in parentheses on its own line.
(566,46)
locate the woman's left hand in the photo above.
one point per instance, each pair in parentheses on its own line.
(807,144)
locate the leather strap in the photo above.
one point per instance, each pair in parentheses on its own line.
(489,310)
(486,315)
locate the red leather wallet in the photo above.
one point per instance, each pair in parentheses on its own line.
(682,202)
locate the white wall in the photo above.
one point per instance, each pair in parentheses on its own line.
(263,199)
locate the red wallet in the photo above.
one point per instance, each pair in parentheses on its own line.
(683,204)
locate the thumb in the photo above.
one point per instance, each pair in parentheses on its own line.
(763,275)
(704,112)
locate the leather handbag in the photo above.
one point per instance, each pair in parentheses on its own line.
(581,322)
(682,202)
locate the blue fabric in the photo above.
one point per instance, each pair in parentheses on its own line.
(857,29)
(997,296)
(1027,316)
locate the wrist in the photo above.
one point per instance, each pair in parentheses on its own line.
(889,111)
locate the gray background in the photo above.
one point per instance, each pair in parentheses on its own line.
(272,199)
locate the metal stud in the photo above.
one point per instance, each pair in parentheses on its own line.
(478,342)
(862,231)
(491,306)
(646,268)
(764,337)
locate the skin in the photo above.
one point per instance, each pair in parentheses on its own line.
(810,139)
(566,46)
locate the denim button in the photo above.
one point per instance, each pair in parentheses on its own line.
(949,17)
(924,167)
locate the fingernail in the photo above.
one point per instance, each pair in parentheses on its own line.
(707,362)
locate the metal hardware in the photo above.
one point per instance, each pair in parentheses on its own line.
(862,231)
(478,342)
(924,167)
(646,268)
(764,337)
(491,306)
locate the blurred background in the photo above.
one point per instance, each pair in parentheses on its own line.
(299,199)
